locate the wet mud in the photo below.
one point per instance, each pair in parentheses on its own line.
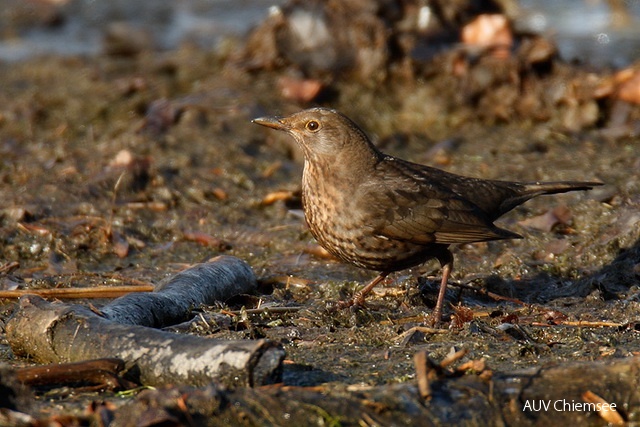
(129,167)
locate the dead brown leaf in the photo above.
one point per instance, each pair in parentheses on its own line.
(560,214)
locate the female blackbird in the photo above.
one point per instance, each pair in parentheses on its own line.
(386,214)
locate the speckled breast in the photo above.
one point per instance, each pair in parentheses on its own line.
(344,230)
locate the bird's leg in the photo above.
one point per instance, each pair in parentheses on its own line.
(358,298)
(446,261)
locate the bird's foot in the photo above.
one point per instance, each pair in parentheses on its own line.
(356,301)
(341,305)
(433,321)
(358,298)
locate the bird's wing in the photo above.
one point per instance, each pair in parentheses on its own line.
(424,212)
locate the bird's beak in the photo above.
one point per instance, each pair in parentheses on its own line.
(271,122)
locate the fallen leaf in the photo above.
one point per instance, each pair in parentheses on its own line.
(318,251)
(276,196)
(489,32)
(120,244)
(460,316)
(553,248)
(554,317)
(628,85)
(560,214)
(219,193)
(606,410)
(300,90)
(206,240)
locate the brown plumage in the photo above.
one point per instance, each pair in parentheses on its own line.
(386,214)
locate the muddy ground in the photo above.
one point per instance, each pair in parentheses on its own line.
(123,168)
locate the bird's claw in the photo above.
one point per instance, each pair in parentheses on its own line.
(356,301)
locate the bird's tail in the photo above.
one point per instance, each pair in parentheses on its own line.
(529,190)
(537,188)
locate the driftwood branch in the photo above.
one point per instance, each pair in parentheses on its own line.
(172,301)
(60,333)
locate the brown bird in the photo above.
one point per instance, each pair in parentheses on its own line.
(386,214)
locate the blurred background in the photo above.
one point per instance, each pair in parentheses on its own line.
(599,33)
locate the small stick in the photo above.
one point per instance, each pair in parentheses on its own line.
(582,324)
(75,293)
(102,373)
(420,361)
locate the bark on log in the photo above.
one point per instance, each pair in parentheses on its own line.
(171,302)
(60,333)
(468,400)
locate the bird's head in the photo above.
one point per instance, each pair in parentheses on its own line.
(322,133)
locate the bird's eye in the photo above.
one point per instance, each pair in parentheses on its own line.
(312,125)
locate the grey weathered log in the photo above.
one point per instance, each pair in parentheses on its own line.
(171,302)
(59,333)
